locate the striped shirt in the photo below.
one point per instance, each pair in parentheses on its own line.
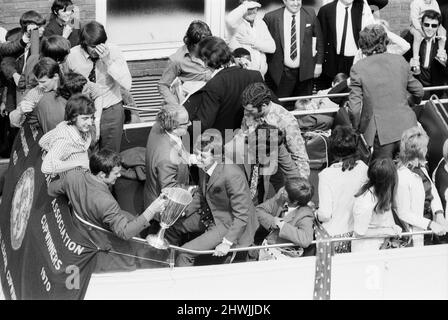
(66,149)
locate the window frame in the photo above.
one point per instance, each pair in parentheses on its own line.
(214,17)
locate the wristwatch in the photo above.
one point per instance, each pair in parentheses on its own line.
(225,241)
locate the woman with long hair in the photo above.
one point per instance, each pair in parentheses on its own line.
(418,203)
(338,185)
(372,210)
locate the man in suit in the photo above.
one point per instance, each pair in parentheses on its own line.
(225,192)
(166,158)
(287,217)
(380,85)
(292,67)
(218,104)
(341,21)
(433,72)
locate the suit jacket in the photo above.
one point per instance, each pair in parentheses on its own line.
(166,165)
(228,197)
(380,85)
(327,19)
(218,104)
(436,74)
(309,28)
(298,227)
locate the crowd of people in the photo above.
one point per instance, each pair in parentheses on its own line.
(249,159)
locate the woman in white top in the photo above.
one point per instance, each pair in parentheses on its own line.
(417,200)
(338,185)
(372,210)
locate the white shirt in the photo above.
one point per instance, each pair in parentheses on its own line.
(350,45)
(428,52)
(410,200)
(211,169)
(287,16)
(109,77)
(337,191)
(263,41)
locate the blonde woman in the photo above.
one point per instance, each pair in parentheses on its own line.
(418,203)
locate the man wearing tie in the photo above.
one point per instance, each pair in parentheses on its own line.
(292,67)
(341,22)
(433,72)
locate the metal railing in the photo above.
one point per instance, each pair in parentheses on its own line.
(340,95)
(173,248)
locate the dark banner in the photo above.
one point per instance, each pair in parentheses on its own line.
(43,256)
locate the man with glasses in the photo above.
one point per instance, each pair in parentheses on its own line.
(432,64)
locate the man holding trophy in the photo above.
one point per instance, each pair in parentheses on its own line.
(224,194)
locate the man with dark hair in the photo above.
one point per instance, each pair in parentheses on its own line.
(380,86)
(92,200)
(433,68)
(218,104)
(224,192)
(242,57)
(14,63)
(293,65)
(104,64)
(259,108)
(62,15)
(287,218)
(185,64)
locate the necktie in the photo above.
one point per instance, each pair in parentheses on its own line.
(92,74)
(293,52)
(254,181)
(344,33)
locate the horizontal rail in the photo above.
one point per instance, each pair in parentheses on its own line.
(287,245)
(280,245)
(340,95)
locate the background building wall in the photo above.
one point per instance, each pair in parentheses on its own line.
(396,13)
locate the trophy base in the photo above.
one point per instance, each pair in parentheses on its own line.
(157,242)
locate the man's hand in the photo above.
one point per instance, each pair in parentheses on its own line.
(26,106)
(67,31)
(317,70)
(103,52)
(221,250)
(251,4)
(3,110)
(245,39)
(437,228)
(440,219)
(279,222)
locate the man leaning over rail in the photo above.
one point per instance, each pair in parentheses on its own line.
(91,198)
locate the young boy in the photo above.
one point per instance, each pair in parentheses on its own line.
(288,218)
(417,9)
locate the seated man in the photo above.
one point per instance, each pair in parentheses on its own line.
(433,70)
(224,190)
(91,198)
(288,218)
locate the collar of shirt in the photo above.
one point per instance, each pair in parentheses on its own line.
(211,169)
(175,138)
(342,6)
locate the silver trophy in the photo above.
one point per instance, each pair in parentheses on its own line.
(178,200)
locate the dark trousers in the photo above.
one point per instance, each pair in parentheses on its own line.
(111,127)
(207,241)
(290,86)
(344,64)
(389,150)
